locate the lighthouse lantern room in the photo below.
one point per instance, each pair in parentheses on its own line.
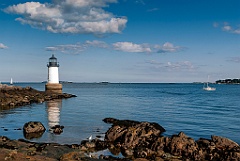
(53,84)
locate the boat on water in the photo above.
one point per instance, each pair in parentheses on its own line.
(206,87)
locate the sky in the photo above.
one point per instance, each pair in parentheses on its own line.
(152,41)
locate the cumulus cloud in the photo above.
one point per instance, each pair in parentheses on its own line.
(131,47)
(227,27)
(169,48)
(70,16)
(2,46)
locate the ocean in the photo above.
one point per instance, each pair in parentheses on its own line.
(177,107)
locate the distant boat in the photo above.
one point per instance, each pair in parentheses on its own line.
(206,87)
(11,81)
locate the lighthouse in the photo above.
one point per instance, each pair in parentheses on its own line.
(53,84)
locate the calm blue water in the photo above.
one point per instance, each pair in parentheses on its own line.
(177,107)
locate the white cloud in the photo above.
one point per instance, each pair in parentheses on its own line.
(68,49)
(78,47)
(85,3)
(140,2)
(185,65)
(131,47)
(231,29)
(2,46)
(168,48)
(228,28)
(70,16)
(172,66)
(234,59)
(96,43)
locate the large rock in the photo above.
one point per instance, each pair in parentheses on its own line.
(144,140)
(33,127)
(219,148)
(132,137)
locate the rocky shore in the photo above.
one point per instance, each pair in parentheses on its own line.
(137,141)
(14,96)
(133,140)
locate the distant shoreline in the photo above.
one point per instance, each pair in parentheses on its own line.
(227,81)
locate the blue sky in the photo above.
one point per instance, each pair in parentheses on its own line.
(120,40)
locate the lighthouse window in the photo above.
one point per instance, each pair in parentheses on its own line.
(53,62)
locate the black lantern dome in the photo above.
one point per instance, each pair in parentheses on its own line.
(53,62)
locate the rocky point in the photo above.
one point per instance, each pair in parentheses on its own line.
(14,96)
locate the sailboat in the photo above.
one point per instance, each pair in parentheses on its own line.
(11,81)
(206,87)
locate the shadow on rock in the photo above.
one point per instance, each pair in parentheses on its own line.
(31,136)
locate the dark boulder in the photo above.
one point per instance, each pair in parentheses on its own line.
(57,129)
(144,140)
(132,137)
(33,127)
(130,133)
(219,148)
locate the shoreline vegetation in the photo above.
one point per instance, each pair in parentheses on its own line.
(133,140)
(228,81)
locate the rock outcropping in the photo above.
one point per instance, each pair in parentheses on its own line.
(136,141)
(144,140)
(14,96)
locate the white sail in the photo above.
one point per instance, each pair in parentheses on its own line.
(206,87)
(11,81)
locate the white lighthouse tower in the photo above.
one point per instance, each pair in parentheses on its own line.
(53,84)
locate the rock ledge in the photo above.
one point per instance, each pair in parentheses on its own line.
(14,96)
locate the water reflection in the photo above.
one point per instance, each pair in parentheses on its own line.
(53,110)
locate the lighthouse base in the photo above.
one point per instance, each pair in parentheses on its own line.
(53,87)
